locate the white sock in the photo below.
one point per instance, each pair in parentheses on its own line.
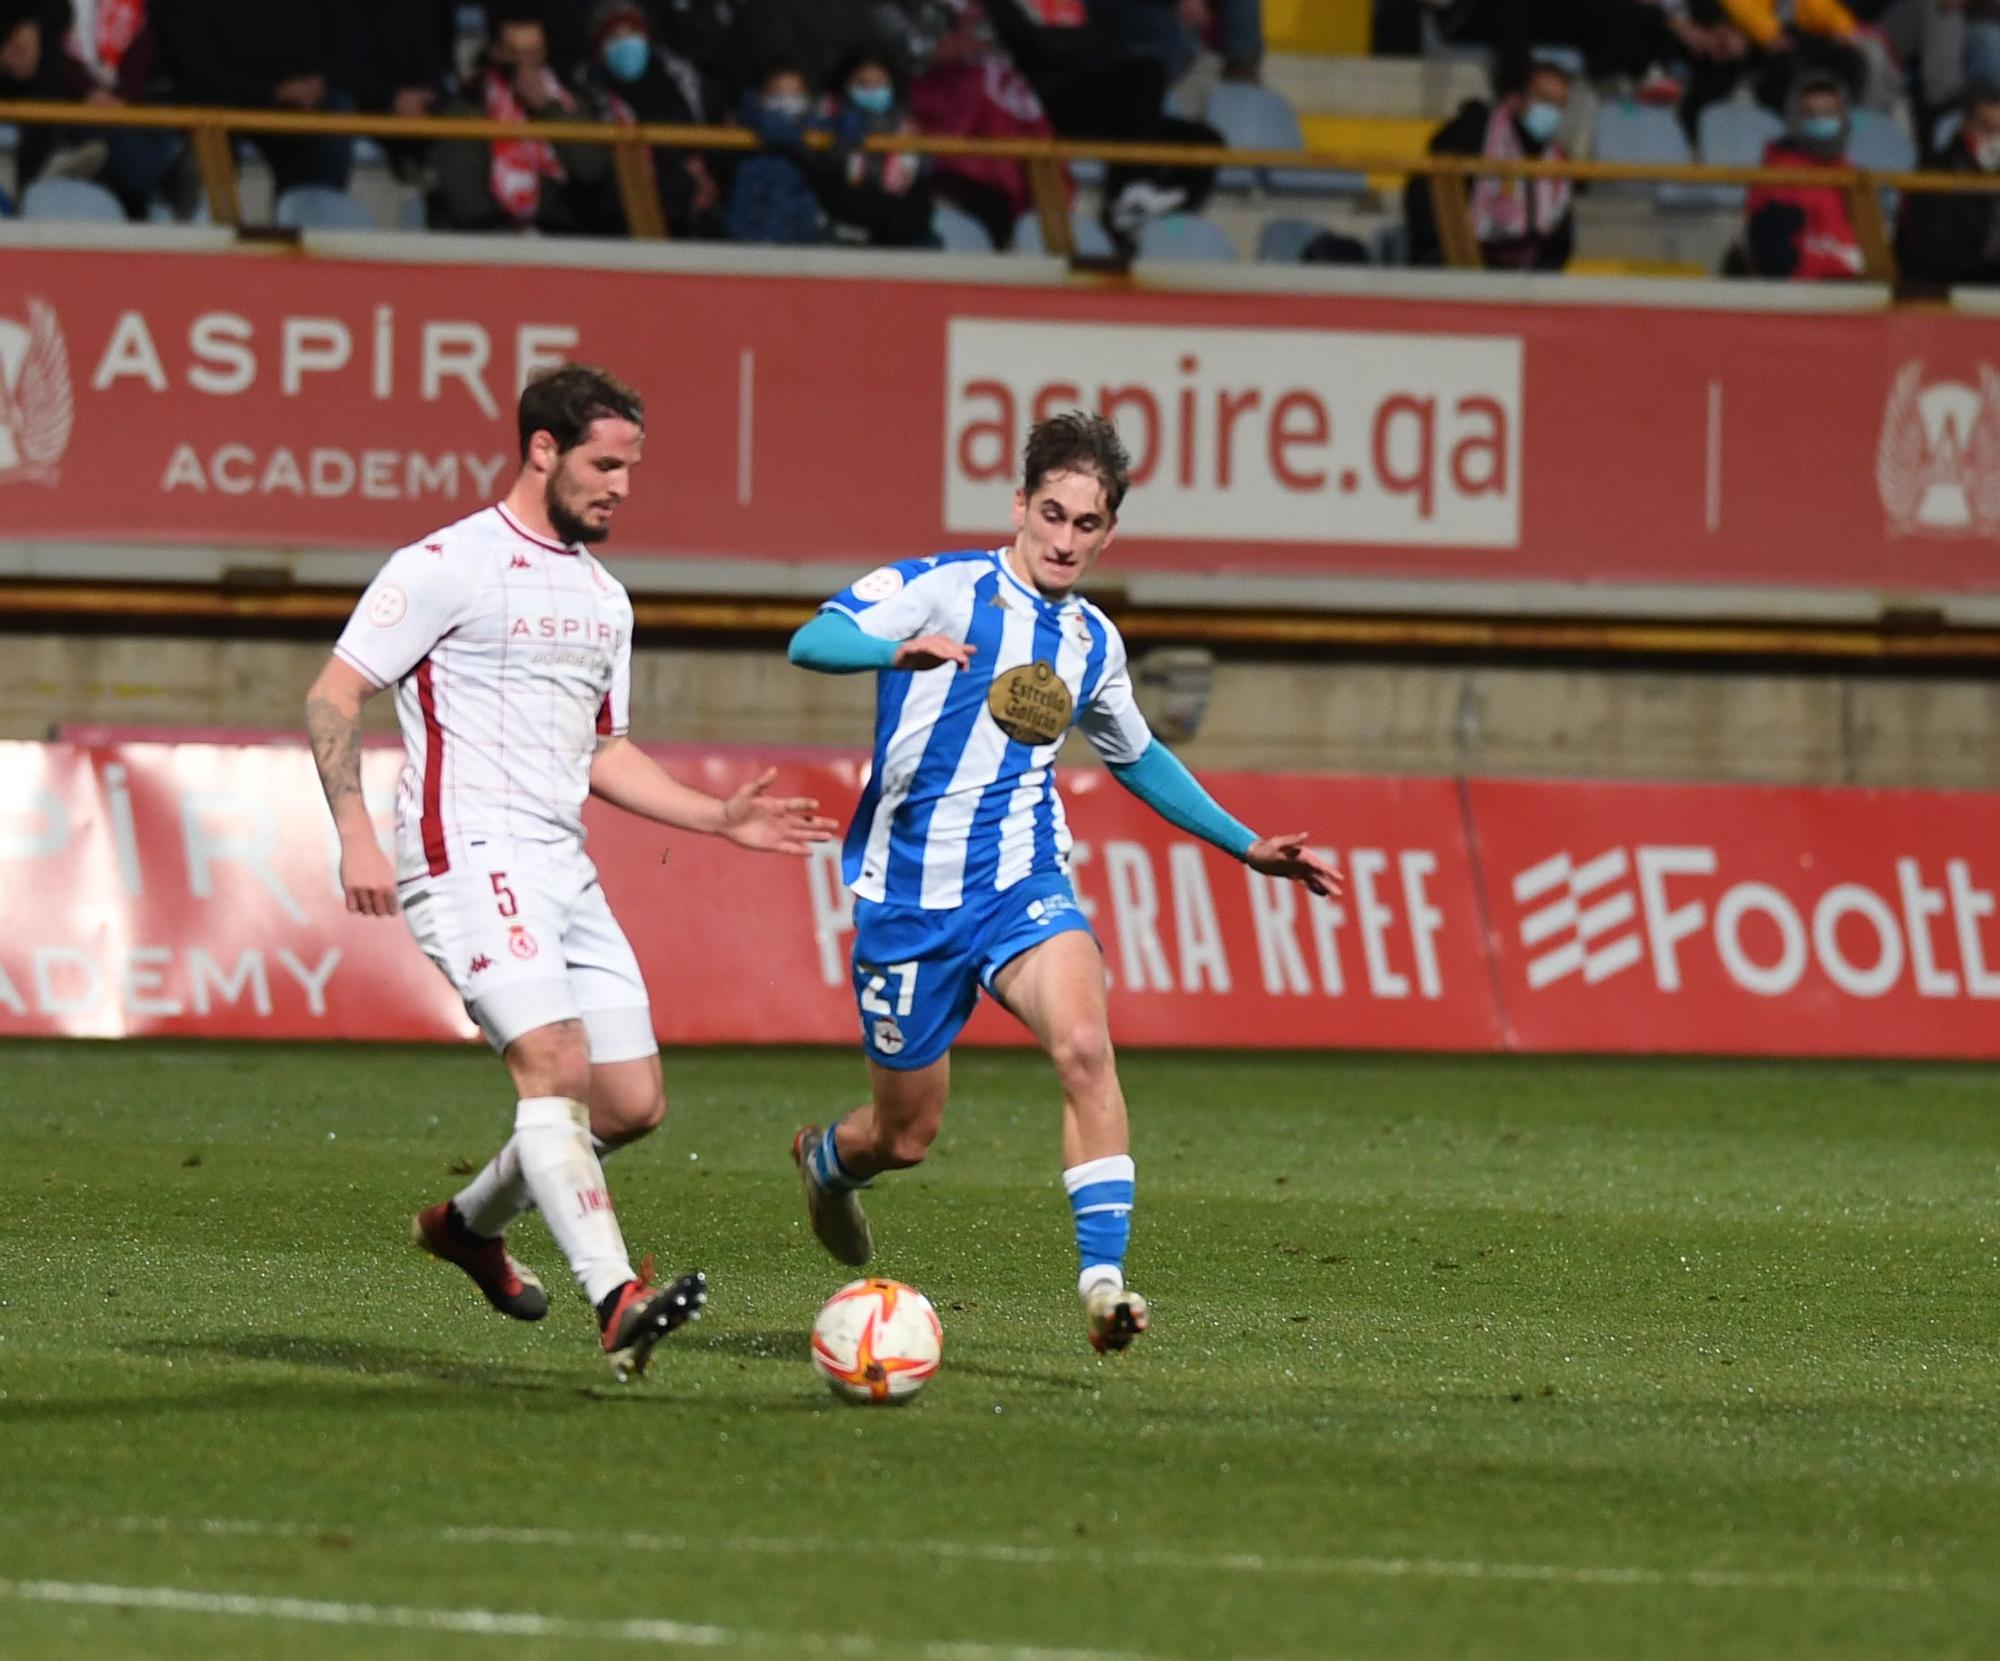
(559,1166)
(499,1193)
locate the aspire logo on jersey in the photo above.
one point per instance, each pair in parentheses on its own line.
(1278,435)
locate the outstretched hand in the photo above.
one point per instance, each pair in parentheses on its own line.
(927,651)
(1288,856)
(774,824)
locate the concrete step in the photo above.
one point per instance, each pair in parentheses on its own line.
(1412,88)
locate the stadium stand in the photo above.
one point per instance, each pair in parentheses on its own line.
(1347,80)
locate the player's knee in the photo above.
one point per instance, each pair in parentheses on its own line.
(627,1116)
(552,1061)
(1082,1054)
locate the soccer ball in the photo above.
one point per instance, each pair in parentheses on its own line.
(877,1341)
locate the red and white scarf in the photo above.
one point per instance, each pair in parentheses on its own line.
(1502,209)
(103,32)
(519,165)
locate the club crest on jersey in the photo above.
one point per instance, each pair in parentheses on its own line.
(878,585)
(520,942)
(1031,704)
(389,607)
(888,1037)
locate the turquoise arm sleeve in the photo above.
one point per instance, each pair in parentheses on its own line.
(1159,780)
(835,644)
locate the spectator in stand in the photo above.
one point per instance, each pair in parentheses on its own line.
(107,58)
(636,79)
(263,55)
(963,85)
(1521,224)
(525,184)
(709,35)
(1944,240)
(873,198)
(1096,84)
(31,67)
(1794,38)
(397,57)
(1805,231)
(1941,44)
(772,199)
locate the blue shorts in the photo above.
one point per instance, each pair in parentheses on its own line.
(917,973)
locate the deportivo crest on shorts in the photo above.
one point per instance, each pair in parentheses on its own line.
(1031,705)
(520,942)
(887,1036)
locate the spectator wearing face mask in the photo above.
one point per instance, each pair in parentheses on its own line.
(1521,224)
(525,183)
(771,198)
(1805,231)
(883,200)
(637,79)
(1944,239)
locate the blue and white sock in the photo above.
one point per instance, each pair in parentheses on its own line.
(827,1170)
(1100,1196)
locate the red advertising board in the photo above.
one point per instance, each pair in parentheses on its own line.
(1740,919)
(189,889)
(264,400)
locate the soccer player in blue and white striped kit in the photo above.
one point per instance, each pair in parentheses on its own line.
(958,853)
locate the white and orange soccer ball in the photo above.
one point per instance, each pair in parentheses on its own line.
(877,1341)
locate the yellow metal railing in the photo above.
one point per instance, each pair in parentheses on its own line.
(1046,162)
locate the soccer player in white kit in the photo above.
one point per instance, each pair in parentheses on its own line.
(510,649)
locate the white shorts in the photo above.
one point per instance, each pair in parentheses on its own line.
(526,938)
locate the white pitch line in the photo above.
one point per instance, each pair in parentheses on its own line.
(1247,1563)
(516,1623)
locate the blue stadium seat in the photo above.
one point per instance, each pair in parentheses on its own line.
(1092,240)
(1185,237)
(1633,132)
(319,208)
(1733,135)
(958,231)
(71,199)
(1283,241)
(1256,118)
(1880,144)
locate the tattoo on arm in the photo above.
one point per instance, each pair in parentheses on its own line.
(336,747)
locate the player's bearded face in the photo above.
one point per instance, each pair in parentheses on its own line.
(1061,530)
(587,483)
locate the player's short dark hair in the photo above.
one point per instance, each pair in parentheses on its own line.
(1078,442)
(564,401)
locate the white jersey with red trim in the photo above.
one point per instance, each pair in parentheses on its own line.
(511,655)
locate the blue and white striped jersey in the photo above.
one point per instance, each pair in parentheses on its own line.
(962,797)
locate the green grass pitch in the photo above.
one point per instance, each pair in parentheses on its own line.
(1451,1358)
